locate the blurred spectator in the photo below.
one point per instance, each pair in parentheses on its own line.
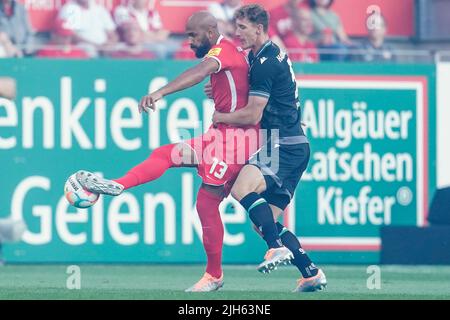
(374,48)
(329,34)
(298,43)
(327,24)
(281,19)
(15,24)
(62,44)
(7,88)
(156,38)
(131,47)
(7,49)
(224,13)
(92,24)
(148,20)
(185,52)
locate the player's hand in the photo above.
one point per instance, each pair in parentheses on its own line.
(208,90)
(149,101)
(217,118)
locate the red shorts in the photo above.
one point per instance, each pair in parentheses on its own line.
(222,152)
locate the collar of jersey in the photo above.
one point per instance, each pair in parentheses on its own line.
(220,39)
(268,43)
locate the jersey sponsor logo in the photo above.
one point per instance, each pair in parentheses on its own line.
(281,56)
(214,52)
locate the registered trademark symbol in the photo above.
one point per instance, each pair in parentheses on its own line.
(404,196)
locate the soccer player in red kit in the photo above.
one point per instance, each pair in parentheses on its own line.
(219,154)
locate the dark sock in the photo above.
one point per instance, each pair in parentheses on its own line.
(301,259)
(261,215)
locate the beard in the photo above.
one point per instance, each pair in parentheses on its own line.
(202,49)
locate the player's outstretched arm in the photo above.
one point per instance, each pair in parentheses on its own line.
(187,79)
(251,114)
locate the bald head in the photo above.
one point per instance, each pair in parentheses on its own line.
(202,20)
(202,32)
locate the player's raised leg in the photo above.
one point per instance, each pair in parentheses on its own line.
(161,159)
(94,183)
(208,201)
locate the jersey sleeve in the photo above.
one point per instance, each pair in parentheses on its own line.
(262,77)
(223,55)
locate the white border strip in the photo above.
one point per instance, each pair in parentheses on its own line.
(358,84)
(442,127)
(232,90)
(374,241)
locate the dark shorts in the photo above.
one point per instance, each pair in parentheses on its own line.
(282,167)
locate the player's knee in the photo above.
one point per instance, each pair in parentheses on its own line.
(170,153)
(235,193)
(240,191)
(164,151)
(242,188)
(186,154)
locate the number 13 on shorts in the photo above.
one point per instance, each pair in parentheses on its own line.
(218,169)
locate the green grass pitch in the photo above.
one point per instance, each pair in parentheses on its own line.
(241,282)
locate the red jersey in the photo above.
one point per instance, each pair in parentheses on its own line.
(230,83)
(221,152)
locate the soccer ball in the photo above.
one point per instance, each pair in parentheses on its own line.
(77,195)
